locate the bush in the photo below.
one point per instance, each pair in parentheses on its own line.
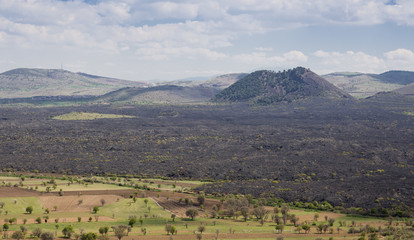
(47,236)
(88,236)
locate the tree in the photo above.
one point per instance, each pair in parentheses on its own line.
(279,228)
(37,232)
(315,217)
(260,212)
(103,230)
(29,209)
(168,228)
(68,231)
(18,235)
(173,216)
(88,236)
(120,231)
(245,212)
(293,219)
(201,229)
(47,236)
(192,213)
(132,221)
(95,209)
(306,228)
(23,229)
(201,199)
(38,220)
(103,202)
(146,202)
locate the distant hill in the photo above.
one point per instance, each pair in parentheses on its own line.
(219,82)
(25,82)
(223,81)
(364,85)
(169,94)
(397,77)
(266,87)
(406,90)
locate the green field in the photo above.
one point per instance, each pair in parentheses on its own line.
(151,216)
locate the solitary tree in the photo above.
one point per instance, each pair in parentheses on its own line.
(192,213)
(103,230)
(29,209)
(68,231)
(120,231)
(201,229)
(95,209)
(132,221)
(47,236)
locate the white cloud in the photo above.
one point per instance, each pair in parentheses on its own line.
(192,29)
(262,59)
(158,52)
(401,59)
(326,62)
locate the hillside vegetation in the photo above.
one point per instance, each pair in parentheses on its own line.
(24,83)
(364,85)
(267,87)
(159,95)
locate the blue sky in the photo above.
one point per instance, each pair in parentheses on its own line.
(147,40)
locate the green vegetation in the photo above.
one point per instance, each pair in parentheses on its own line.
(137,215)
(88,116)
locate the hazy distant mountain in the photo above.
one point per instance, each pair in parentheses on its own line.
(219,82)
(25,82)
(406,90)
(364,85)
(266,87)
(166,94)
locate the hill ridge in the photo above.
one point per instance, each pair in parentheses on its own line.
(30,82)
(267,87)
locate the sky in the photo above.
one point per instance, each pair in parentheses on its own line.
(153,40)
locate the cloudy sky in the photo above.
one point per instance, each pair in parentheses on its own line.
(166,40)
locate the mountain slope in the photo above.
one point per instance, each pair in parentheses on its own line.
(170,94)
(219,82)
(397,77)
(24,82)
(407,90)
(266,87)
(364,85)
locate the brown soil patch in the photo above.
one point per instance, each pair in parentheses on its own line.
(66,220)
(71,203)
(322,215)
(17,192)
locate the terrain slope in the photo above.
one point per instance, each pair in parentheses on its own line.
(406,90)
(364,84)
(266,87)
(25,82)
(169,94)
